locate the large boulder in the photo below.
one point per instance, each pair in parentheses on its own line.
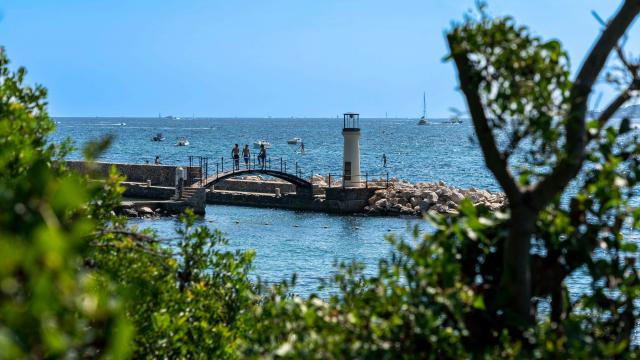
(130,212)
(372,200)
(381,192)
(430,197)
(145,210)
(451,205)
(382,204)
(456,197)
(424,205)
(440,208)
(405,210)
(444,194)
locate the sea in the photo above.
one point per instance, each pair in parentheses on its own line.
(285,242)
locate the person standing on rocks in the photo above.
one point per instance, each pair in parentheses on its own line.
(246,154)
(384,160)
(235,154)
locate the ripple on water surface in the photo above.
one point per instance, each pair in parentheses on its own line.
(304,243)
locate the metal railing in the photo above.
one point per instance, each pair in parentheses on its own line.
(230,165)
(202,163)
(367,180)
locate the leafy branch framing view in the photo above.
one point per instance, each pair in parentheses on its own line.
(76,281)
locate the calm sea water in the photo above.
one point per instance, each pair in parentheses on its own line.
(302,242)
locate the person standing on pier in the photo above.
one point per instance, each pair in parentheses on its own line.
(157,161)
(235,154)
(246,154)
(262,156)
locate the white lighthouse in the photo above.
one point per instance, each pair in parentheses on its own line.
(351,165)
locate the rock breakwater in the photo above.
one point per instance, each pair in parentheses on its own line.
(404,198)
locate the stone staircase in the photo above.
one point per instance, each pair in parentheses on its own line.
(194,198)
(187,193)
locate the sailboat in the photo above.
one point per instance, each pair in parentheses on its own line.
(423,119)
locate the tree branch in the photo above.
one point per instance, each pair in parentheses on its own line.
(496,161)
(613,107)
(576,138)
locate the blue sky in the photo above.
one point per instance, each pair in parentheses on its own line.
(259,58)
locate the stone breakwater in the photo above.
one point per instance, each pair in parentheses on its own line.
(413,199)
(404,198)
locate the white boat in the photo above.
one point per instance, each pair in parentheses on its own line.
(122,124)
(455,120)
(267,145)
(182,141)
(294,141)
(423,119)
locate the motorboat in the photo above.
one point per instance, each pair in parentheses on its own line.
(259,143)
(423,120)
(182,141)
(158,137)
(294,141)
(455,120)
(122,124)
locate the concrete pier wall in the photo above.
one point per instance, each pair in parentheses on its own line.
(340,201)
(253,186)
(160,175)
(142,191)
(287,201)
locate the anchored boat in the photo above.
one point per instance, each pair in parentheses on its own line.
(423,120)
(182,141)
(258,143)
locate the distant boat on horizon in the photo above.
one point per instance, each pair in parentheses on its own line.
(168,117)
(423,120)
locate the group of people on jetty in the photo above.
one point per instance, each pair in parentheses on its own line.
(246,155)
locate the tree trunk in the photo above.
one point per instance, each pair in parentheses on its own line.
(516,279)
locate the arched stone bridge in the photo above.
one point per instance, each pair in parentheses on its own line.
(300,183)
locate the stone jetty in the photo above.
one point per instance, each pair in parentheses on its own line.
(151,192)
(404,198)
(412,199)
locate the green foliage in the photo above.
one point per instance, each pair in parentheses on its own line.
(189,304)
(50,305)
(524,84)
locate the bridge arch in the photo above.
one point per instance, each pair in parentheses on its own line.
(290,178)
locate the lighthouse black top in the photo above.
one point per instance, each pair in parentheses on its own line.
(351,122)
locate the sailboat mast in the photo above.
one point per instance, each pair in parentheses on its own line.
(424,105)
